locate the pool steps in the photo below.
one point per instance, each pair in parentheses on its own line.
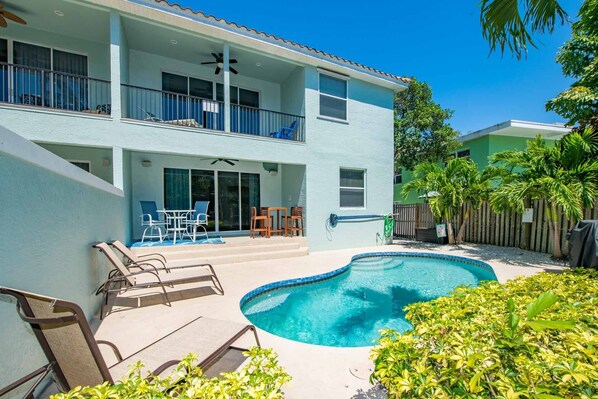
(234,250)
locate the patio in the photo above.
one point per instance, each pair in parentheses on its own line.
(339,372)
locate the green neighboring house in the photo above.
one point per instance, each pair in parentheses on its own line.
(479,145)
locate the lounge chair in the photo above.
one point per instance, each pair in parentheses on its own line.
(155,259)
(151,221)
(199,218)
(285,132)
(74,357)
(122,279)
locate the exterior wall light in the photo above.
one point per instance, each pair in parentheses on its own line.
(146,163)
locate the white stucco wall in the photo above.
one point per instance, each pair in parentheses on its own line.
(100,159)
(51,214)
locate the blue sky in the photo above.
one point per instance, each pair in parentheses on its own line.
(439,42)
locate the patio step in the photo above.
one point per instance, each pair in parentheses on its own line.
(234,250)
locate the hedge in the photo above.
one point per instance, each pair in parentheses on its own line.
(533,337)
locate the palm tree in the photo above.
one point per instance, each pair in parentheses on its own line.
(564,175)
(511,23)
(457,184)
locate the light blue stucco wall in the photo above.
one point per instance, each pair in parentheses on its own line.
(293,93)
(51,214)
(100,159)
(364,142)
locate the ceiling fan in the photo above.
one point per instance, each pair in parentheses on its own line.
(231,162)
(4,15)
(220,63)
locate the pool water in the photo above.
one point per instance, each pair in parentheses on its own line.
(349,309)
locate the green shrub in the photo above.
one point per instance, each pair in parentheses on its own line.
(532,337)
(262,377)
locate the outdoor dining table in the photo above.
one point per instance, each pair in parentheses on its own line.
(280,227)
(174,221)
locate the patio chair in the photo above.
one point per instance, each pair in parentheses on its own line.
(285,132)
(294,222)
(199,218)
(151,221)
(157,259)
(258,223)
(74,357)
(121,279)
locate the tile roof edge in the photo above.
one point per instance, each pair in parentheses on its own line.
(264,35)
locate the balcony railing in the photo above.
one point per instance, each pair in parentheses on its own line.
(45,88)
(183,110)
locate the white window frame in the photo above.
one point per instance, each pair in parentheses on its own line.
(363,189)
(73,161)
(398,173)
(345,99)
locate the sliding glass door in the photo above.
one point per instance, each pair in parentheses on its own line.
(231,195)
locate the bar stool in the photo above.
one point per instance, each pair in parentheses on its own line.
(263,222)
(295,221)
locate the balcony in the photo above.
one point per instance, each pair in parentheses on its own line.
(44,88)
(184,110)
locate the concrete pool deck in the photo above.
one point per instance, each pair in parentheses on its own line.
(139,318)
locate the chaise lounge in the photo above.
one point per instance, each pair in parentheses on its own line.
(74,357)
(121,279)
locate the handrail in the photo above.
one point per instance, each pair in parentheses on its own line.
(72,75)
(191,111)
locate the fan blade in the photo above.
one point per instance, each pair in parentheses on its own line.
(3,22)
(217,71)
(12,17)
(208,63)
(233,70)
(220,55)
(233,61)
(228,161)
(215,55)
(213,162)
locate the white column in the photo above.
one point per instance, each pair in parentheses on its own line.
(118,168)
(226,74)
(115,43)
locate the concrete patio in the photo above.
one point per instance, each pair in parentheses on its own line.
(138,318)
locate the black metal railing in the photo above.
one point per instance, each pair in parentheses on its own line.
(265,123)
(178,109)
(45,88)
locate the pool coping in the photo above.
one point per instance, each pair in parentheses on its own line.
(326,276)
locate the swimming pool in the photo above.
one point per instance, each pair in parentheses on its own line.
(348,306)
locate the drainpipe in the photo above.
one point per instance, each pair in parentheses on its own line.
(226,74)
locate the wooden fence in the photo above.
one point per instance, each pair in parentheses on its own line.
(408,217)
(486,227)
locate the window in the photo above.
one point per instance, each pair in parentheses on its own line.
(352,188)
(85,165)
(3,70)
(333,97)
(398,176)
(463,153)
(3,50)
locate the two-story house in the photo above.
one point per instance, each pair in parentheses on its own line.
(171,105)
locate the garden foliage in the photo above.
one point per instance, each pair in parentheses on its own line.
(262,378)
(534,337)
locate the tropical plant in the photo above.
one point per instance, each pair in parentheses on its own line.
(579,60)
(508,341)
(512,23)
(422,133)
(564,175)
(262,377)
(456,184)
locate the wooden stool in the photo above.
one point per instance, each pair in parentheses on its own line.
(295,221)
(263,223)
